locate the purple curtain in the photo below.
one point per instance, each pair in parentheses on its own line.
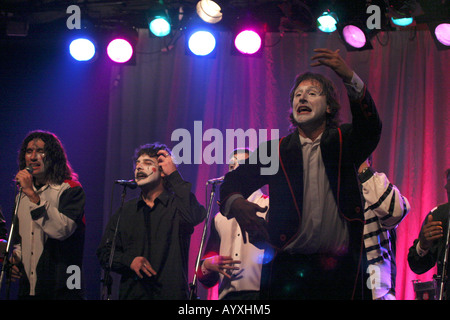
(168,90)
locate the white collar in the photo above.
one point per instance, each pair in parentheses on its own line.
(306,140)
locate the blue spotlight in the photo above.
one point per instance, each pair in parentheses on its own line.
(82,49)
(201,43)
(402,22)
(327,22)
(160,26)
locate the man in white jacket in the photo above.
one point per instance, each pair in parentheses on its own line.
(384,209)
(235,265)
(49,241)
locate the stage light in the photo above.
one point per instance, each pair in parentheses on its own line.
(201,42)
(442,32)
(159,26)
(248,36)
(120,50)
(83,44)
(354,36)
(402,22)
(82,49)
(327,22)
(209,11)
(120,45)
(248,42)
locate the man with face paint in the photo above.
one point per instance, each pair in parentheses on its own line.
(315,220)
(152,243)
(228,260)
(50,218)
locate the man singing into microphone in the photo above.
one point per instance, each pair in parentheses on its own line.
(153,236)
(50,234)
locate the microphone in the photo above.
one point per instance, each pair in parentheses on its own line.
(216,180)
(30,171)
(127,183)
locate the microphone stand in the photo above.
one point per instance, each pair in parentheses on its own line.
(6,263)
(445,262)
(107,280)
(193,285)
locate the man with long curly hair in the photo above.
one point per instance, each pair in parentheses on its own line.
(50,234)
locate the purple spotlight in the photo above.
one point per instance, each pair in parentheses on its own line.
(119,50)
(442,33)
(248,42)
(354,36)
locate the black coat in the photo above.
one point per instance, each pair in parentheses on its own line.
(343,149)
(162,235)
(436,253)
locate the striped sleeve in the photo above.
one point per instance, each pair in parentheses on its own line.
(384,199)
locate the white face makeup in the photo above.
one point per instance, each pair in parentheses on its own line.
(146,170)
(308,105)
(34,157)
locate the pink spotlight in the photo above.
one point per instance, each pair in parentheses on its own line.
(354,36)
(119,50)
(248,42)
(442,33)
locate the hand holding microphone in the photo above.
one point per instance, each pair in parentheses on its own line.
(24,180)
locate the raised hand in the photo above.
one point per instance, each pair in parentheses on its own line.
(332,59)
(166,163)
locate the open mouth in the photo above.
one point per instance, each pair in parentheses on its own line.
(141,175)
(303,109)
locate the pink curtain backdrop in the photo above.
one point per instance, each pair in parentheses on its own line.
(407,76)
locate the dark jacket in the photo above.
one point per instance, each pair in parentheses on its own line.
(436,253)
(343,149)
(162,235)
(50,224)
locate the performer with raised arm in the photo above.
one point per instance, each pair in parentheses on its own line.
(315,219)
(152,244)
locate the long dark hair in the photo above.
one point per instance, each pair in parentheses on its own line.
(57,167)
(328,89)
